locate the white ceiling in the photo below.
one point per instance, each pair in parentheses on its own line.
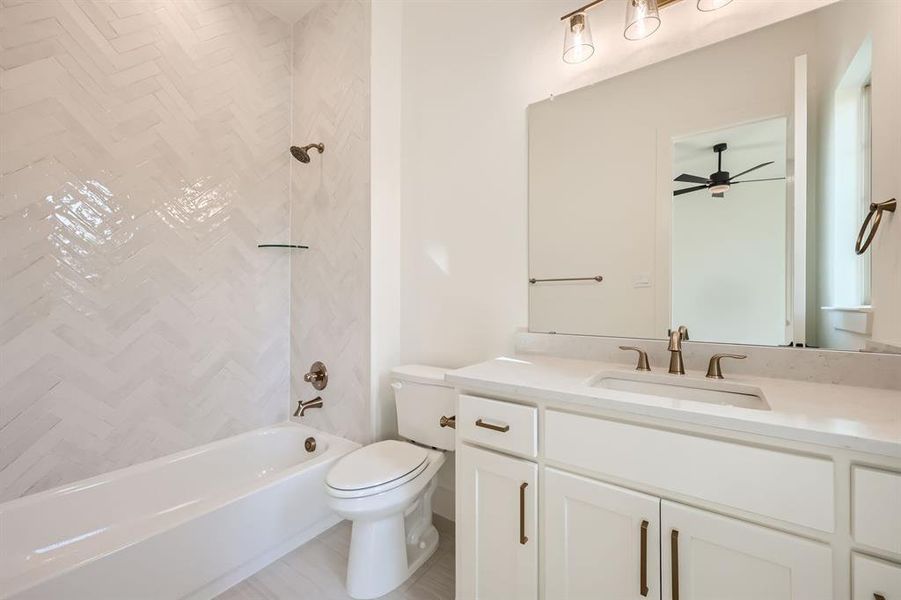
(289,11)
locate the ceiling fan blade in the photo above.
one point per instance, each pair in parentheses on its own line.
(753,180)
(689,190)
(691,178)
(760,166)
(719,195)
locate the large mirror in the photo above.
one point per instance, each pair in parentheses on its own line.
(724,190)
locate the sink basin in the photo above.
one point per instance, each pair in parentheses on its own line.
(678,387)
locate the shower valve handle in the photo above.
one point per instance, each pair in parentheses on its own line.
(318,375)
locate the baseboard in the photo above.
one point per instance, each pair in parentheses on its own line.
(443,503)
(236,576)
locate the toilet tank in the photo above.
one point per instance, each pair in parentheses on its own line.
(422,398)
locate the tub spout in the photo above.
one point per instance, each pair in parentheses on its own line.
(303,406)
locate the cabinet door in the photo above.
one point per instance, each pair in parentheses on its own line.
(875,579)
(600,541)
(711,557)
(496,526)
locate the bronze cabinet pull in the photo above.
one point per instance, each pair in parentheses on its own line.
(502,429)
(522,514)
(674,551)
(876,208)
(644,558)
(878,596)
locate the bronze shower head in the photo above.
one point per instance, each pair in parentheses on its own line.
(302,153)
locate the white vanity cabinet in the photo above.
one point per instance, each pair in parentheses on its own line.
(605,541)
(600,540)
(498,546)
(593,506)
(707,556)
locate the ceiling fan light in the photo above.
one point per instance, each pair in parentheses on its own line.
(642,19)
(711,5)
(721,188)
(577,43)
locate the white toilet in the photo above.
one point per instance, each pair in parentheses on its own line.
(386,488)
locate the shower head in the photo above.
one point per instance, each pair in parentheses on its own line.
(302,153)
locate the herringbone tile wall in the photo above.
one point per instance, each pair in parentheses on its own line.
(143,156)
(330,313)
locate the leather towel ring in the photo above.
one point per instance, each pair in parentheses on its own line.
(876,208)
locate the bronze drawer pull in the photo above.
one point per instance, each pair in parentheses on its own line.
(674,550)
(644,558)
(522,514)
(502,429)
(878,596)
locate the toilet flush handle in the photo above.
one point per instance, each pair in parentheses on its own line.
(448,421)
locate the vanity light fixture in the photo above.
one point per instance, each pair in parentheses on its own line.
(577,43)
(642,20)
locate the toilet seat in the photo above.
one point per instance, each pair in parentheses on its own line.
(376,468)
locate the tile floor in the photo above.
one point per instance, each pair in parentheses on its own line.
(316,571)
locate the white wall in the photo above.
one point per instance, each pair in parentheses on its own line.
(385,161)
(469,71)
(843,32)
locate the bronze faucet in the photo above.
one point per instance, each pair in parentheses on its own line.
(303,406)
(676,365)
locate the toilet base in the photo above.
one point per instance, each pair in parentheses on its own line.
(386,552)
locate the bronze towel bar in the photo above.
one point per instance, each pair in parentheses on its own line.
(597,278)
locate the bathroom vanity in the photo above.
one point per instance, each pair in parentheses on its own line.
(580,479)
(568,488)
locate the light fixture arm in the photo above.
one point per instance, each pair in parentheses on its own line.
(580,10)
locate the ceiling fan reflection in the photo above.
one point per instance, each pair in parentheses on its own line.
(720,182)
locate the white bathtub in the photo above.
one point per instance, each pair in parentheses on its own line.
(188,525)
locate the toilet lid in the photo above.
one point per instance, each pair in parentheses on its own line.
(375,465)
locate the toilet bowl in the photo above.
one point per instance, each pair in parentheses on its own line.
(386,488)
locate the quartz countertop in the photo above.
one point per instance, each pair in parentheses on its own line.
(839,416)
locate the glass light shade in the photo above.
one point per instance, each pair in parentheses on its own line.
(709,5)
(577,43)
(719,189)
(642,19)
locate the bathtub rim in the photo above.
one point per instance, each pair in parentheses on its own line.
(337,447)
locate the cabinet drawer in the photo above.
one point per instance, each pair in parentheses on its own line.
(501,425)
(874,578)
(788,487)
(876,506)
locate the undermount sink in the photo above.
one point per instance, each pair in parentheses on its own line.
(680,387)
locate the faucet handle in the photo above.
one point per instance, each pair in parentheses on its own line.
(643,364)
(318,376)
(683,333)
(713,369)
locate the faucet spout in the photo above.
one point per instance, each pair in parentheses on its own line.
(303,406)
